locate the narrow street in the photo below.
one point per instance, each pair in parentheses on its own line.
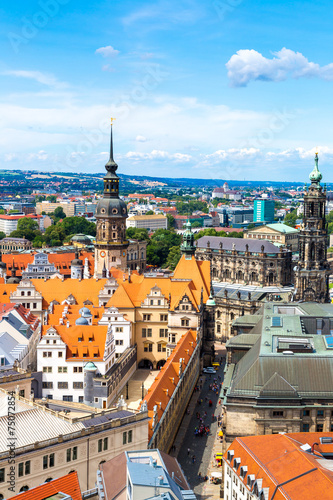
(202,447)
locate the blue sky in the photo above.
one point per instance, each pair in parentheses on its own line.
(225,89)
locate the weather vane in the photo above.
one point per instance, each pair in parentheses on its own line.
(112,120)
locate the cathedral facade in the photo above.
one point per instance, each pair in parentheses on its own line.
(312,272)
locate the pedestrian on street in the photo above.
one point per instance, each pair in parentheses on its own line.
(188,451)
(193,459)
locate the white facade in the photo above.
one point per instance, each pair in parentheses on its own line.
(8,223)
(152,222)
(120,327)
(63,379)
(235,486)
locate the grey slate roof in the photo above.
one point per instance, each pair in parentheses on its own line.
(240,243)
(244,294)
(265,372)
(245,339)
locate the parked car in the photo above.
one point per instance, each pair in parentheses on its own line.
(209,369)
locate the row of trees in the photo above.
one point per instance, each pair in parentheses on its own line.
(54,235)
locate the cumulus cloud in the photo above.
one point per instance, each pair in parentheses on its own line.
(158,155)
(107,51)
(247,65)
(140,138)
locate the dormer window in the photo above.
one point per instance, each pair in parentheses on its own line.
(237,462)
(250,480)
(230,455)
(243,471)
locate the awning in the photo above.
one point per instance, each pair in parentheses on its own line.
(216,474)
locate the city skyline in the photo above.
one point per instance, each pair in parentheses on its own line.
(222,90)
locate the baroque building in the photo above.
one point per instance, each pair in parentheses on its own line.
(111,214)
(312,272)
(250,262)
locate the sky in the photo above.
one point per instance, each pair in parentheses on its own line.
(220,89)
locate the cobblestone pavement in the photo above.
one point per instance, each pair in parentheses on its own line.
(203,448)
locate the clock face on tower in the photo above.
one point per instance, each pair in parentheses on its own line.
(103,253)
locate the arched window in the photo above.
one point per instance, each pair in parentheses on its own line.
(24,488)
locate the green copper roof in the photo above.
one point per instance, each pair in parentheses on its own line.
(282,228)
(315,175)
(187,247)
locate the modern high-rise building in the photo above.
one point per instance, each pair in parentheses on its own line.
(263,211)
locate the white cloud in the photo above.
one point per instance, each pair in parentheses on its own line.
(140,138)
(247,65)
(158,155)
(38,76)
(107,51)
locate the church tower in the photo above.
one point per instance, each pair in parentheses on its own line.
(111,214)
(311,274)
(187,247)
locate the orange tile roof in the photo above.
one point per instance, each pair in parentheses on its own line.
(73,313)
(278,460)
(189,278)
(67,484)
(62,261)
(59,290)
(167,379)
(93,350)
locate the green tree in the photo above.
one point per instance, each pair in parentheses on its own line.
(290,219)
(2,235)
(196,224)
(173,257)
(209,232)
(52,198)
(191,206)
(55,235)
(26,228)
(251,226)
(134,233)
(150,212)
(75,225)
(171,221)
(59,213)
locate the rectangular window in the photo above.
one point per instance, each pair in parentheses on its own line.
(2,475)
(144,332)
(163,317)
(105,444)
(319,428)
(124,437)
(59,354)
(77,385)
(306,413)
(146,317)
(21,469)
(44,369)
(130,433)
(149,332)
(68,454)
(320,413)
(62,385)
(100,445)
(74,452)
(277,413)
(163,332)
(47,385)
(27,467)
(305,427)
(45,461)
(51,460)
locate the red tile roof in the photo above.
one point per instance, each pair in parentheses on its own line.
(167,379)
(281,464)
(67,484)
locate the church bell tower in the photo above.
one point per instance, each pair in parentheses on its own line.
(312,272)
(111,214)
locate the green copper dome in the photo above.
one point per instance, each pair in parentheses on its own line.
(315,175)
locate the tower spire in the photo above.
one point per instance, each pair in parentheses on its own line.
(111,165)
(315,176)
